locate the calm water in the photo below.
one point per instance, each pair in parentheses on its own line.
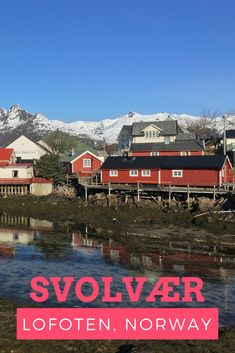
(30,247)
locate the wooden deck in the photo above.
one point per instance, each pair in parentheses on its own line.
(170,190)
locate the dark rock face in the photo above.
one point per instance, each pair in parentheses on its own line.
(17,121)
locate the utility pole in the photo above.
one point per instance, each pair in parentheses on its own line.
(224,117)
(104,150)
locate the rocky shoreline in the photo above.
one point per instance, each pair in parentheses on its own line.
(121,218)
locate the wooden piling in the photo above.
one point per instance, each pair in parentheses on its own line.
(169,196)
(138,192)
(188,193)
(214,193)
(109,194)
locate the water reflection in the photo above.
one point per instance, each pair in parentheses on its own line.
(30,247)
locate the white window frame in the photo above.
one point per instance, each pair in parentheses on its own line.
(154,154)
(183,153)
(177,173)
(151,134)
(146,173)
(113,173)
(85,160)
(135,174)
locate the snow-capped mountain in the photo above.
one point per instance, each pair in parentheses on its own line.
(18,121)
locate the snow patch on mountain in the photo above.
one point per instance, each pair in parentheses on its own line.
(107,129)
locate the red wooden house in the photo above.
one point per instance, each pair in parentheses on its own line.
(82,163)
(169,170)
(177,148)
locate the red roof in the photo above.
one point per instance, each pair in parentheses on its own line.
(17,164)
(41,180)
(5,154)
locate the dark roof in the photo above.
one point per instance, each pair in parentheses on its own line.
(172,146)
(168,127)
(127,128)
(132,162)
(168,162)
(68,157)
(230,134)
(182,136)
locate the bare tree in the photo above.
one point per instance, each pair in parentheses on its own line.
(204,127)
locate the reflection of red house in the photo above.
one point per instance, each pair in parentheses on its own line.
(115,252)
(78,240)
(84,164)
(6,250)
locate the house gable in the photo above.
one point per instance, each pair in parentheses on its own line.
(168,127)
(152,127)
(84,153)
(86,163)
(26,149)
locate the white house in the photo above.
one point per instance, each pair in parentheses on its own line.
(230,139)
(18,179)
(16,171)
(26,150)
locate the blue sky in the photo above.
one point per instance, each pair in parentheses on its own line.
(91,59)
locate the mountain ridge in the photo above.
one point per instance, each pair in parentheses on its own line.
(17,121)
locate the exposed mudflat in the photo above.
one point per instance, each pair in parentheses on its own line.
(118,219)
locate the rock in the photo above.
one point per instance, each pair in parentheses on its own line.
(65,191)
(205,204)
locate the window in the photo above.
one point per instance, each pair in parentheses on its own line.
(146,173)
(86,163)
(15,174)
(113,173)
(183,153)
(152,134)
(134,173)
(177,173)
(154,153)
